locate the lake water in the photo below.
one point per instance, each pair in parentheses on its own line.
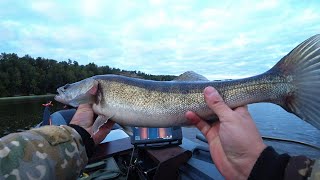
(20,114)
(274,121)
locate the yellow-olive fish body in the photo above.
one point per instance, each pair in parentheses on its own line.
(293,83)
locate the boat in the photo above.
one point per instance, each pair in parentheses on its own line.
(153,153)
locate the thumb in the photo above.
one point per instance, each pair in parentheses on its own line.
(216,103)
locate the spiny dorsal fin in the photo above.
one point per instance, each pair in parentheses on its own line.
(190,76)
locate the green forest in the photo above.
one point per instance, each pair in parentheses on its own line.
(21,76)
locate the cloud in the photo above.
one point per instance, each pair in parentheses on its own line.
(43,7)
(267,4)
(215,38)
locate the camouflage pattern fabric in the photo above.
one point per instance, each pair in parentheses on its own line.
(48,152)
(58,152)
(315,174)
(301,168)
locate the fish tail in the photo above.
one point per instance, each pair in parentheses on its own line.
(301,68)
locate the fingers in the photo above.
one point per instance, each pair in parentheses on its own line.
(109,124)
(242,110)
(103,132)
(216,103)
(106,128)
(84,106)
(202,125)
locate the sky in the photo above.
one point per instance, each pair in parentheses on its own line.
(218,39)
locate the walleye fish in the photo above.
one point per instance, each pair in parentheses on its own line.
(293,83)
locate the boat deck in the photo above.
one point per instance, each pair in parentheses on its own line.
(190,133)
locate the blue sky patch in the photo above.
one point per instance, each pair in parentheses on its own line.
(218,39)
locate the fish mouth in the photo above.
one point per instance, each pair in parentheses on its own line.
(59,96)
(59,90)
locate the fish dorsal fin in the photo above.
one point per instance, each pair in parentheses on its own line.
(190,76)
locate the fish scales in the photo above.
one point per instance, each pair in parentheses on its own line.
(293,83)
(147,101)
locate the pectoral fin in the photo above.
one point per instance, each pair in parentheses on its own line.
(100,121)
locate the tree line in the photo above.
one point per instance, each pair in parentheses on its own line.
(36,76)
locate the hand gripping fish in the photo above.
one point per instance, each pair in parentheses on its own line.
(293,83)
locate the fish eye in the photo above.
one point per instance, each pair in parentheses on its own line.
(66,86)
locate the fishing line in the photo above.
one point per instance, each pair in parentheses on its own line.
(130,163)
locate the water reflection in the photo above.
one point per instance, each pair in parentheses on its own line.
(21,114)
(274,121)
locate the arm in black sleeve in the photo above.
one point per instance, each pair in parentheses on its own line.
(271,165)
(86,138)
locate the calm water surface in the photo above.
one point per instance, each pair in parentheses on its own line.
(273,121)
(21,114)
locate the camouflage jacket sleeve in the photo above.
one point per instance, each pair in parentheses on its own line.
(49,152)
(271,165)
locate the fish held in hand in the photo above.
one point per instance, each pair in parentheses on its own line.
(293,83)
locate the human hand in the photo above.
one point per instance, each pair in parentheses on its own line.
(235,143)
(84,117)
